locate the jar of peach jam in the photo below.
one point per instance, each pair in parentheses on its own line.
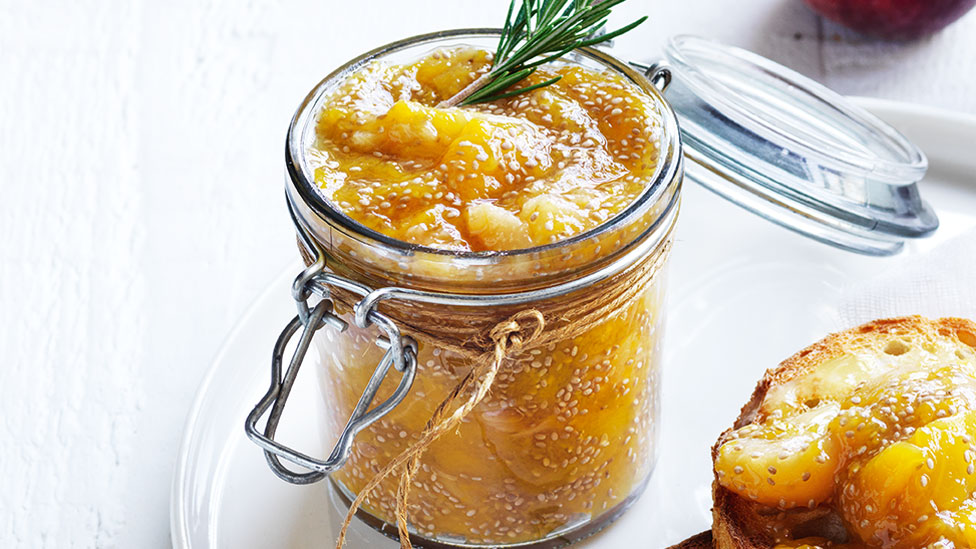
(486,286)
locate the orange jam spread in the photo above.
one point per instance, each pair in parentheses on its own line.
(566,433)
(887,443)
(514,173)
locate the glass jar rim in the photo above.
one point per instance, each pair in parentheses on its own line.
(667,172)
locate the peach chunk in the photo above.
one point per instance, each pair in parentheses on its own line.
(497,228)
(783,462)
(917,490)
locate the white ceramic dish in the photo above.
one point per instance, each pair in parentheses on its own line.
(741,300)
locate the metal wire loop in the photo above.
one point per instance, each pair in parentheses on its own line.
(362,415)
(660,75)
(316,281)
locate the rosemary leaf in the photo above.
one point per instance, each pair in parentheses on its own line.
(534,33)
(514,92)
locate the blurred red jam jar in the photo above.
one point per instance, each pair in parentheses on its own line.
(893,19)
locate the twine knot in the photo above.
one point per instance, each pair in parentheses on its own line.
(518,330)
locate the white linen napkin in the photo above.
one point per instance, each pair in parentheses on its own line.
(939,283)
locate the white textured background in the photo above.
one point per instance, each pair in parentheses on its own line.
(141,207)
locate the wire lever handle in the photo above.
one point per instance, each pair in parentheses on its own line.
(402,355)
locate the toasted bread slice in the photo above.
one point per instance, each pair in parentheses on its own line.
(739,523)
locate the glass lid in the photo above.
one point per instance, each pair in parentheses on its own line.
(787,148)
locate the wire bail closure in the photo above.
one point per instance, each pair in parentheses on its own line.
(401,353)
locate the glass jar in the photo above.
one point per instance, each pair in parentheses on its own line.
(565,439)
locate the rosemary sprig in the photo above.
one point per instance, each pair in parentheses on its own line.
(537,32)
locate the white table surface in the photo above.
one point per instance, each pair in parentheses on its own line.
(141,207)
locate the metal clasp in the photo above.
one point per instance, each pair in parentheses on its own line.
(659,74)
(401,352)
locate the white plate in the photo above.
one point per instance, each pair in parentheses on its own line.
(744,294)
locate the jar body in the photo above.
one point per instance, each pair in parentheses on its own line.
(564,441)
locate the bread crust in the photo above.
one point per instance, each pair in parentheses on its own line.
(738,523)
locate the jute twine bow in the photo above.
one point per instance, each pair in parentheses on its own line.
(512,334)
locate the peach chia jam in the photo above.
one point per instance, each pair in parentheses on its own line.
(565,438)
(515,173)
